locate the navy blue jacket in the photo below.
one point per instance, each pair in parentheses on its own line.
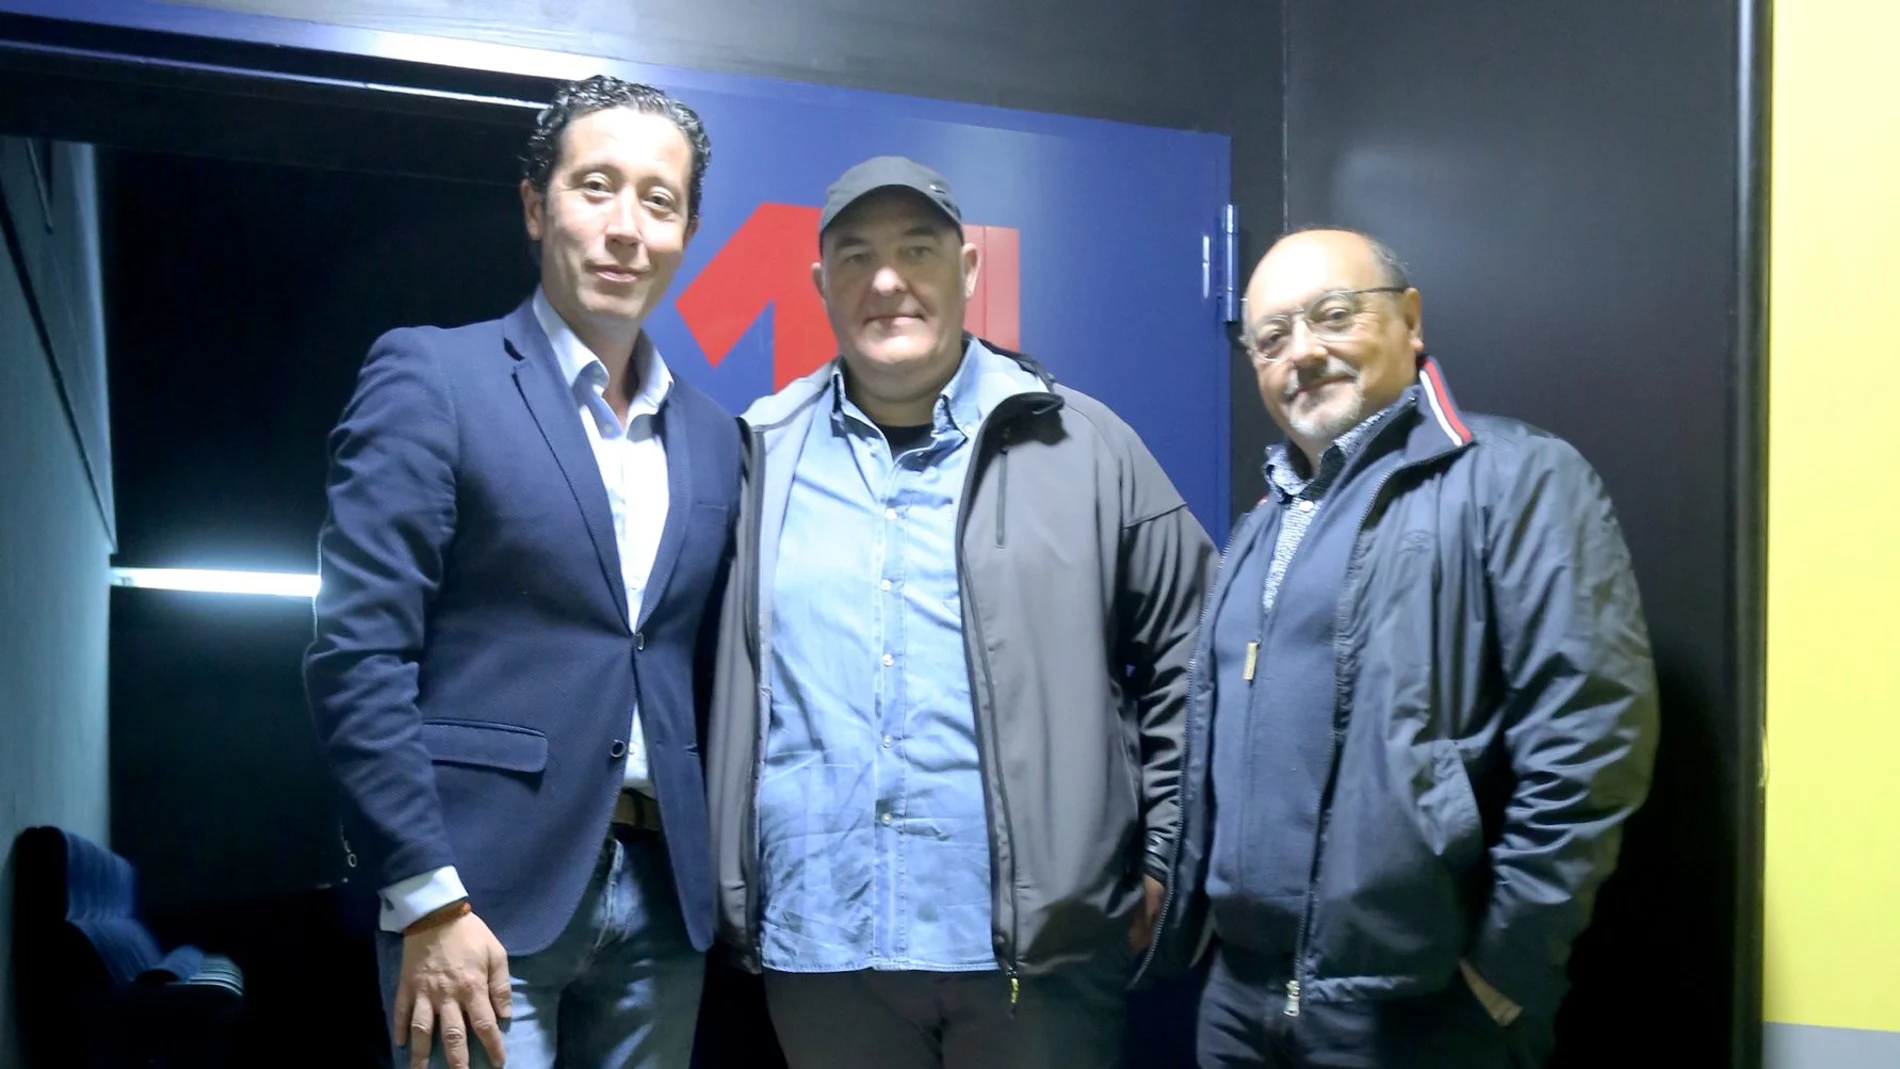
(473,675)
(1496,710)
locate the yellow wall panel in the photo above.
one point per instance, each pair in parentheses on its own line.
(1833,822)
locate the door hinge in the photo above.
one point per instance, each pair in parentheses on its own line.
(1220,265)
(1230,264)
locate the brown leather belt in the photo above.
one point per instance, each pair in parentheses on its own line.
(637,811)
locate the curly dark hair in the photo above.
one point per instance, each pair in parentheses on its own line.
(598,93)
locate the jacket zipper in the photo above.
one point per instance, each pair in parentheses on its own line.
(986,732)
(749,857)
(1002,485)
(1332,772)
(1187,741)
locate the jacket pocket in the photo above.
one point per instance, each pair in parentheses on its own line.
(1389,903)
(1448,808)
(485,744)
(1131,768)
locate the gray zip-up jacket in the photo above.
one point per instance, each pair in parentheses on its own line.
(1082,574)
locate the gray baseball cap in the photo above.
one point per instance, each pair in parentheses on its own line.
(888,172)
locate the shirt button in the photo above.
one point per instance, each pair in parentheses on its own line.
(890,514)
(889,742)
(889,660)
(885,819)
(1306,505)
(885,585)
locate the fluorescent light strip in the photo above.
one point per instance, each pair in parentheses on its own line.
(214,581)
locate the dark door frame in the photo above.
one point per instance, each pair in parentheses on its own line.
(1748,515)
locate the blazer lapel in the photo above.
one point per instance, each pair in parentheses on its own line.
(676,436)
(552,404)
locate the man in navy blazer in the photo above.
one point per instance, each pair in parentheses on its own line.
(529,524)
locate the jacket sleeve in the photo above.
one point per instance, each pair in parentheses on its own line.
(1580,716)
(380,557)
(733,717)
(706,642)
(1166,564)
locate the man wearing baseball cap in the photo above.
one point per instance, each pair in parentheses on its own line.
(952,671)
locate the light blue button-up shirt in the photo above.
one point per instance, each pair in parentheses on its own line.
(873,835)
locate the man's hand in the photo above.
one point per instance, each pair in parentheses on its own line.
(1501,1009)
(454,980)
(1143,932)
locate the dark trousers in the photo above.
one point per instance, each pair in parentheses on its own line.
(922,1020)
(1243,1023)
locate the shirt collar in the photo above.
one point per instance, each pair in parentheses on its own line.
(581,369)
(1283,474)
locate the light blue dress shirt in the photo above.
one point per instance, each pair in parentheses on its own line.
(874,839)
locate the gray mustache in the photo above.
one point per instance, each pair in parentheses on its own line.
(1308,375)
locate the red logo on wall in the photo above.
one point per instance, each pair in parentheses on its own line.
(767,263)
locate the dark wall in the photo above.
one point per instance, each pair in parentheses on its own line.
(56,533)
(1561,179)
(1162,65)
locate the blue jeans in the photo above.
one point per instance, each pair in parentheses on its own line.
(617,989)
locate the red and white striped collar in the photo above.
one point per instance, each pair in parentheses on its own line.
(1437,405)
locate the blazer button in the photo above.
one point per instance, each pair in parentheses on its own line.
(639,640)
(618,750)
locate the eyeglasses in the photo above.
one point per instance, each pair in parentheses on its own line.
(1332,316)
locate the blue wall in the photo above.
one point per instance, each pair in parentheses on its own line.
(55,540)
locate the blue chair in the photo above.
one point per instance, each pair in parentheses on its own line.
(94,986)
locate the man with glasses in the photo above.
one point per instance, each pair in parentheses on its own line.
(1423,704)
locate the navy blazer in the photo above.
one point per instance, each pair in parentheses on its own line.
(473,675)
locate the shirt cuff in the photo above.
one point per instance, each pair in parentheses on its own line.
(407,901)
